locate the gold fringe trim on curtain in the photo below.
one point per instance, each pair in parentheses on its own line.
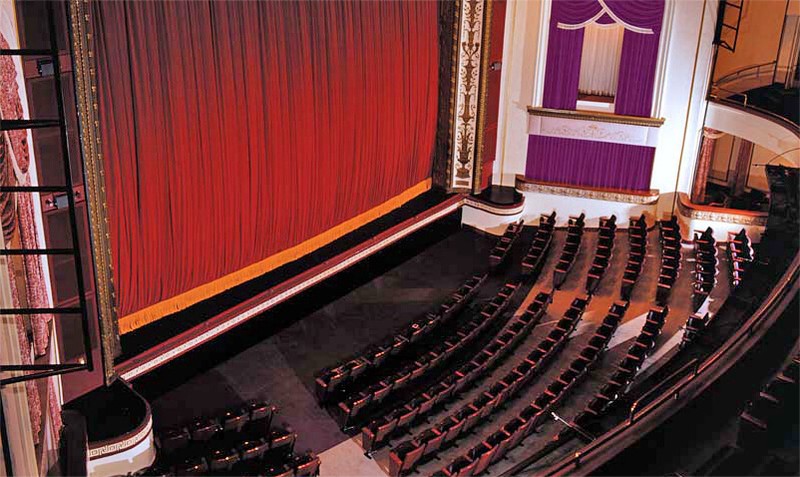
(186,299)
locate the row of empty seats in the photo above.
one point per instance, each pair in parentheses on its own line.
(379,430)
(765,419)
(540,247)
(670,259)
(405,456)
(637,251)
(502,248)
(241,441)
(603,252)
(478,459)
(705,267)
(695,325)
(740,255)
(572,248)
(626,371)
(375,356)
(358,402)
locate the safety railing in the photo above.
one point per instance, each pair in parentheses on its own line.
(693,365)
(768,308)
(751,71)
(764,113)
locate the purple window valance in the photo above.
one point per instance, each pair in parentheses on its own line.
(641,16)
(642,21)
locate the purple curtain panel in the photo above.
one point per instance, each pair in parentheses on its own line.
(589,163)
(637,63)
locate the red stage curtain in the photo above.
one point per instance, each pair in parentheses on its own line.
(232,131)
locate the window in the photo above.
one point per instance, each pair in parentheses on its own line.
(602,48)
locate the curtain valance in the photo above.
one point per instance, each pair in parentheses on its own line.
(638,16)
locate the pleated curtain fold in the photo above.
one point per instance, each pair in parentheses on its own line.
(232,131)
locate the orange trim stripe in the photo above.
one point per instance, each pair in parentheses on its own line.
(180,302)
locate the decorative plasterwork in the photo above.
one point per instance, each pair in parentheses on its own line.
(126,442)
(89,125)
(481,126)
(592,130)
(647,198)
(596,116)
(731,216)
(467,93)
(494,210)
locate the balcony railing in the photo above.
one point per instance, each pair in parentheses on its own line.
(726,91)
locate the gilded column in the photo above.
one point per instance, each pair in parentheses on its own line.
(89,126)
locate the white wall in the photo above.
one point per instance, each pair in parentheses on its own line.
(681,85)
(760,131)
(689,56)
(519,81)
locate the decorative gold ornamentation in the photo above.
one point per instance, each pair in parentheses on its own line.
(731,216)
(467,92)
(89,126)
(525,185)
(125,444)
(499,211)
(487,32)
(589,131)
(442,161)
(597,116)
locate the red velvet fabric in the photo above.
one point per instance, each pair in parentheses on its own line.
(234,130)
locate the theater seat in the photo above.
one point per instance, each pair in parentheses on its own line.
(306,465)
(204,429)
(279,470)
(404,457)
(234,420)
(192,466)
(252,449)
(222,459)
(433,440)
(482,455)
(173,440)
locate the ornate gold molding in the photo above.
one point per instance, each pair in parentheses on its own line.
(596,116)
(647,198)
(89,126)
(486,44)
(718,214)
(467,93)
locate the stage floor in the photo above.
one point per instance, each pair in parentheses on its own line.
(280,367)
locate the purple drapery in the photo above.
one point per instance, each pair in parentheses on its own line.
(637,62)
(589,163)
(637,66)
(564,52)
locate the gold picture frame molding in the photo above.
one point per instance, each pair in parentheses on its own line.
(83,56)
(89,130)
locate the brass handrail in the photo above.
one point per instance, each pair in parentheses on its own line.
(694,364)
(766,114)
(782,287)
(719,88)
(738,73)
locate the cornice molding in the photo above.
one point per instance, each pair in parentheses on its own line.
(596,116)
(650,197)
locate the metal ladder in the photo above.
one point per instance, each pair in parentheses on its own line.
(36,371)
(722,26)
